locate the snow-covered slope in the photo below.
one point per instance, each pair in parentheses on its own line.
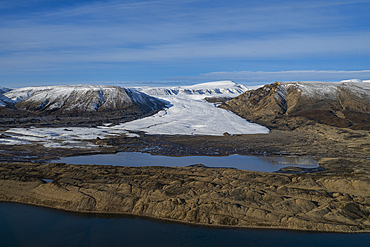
(341,104)
(333,96)
(4,90)
(329,90)
(190,114)
(80,98)
(208,88)
(4,101)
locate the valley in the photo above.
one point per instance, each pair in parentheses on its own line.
(335,199)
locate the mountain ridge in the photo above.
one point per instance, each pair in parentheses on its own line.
(80,98)
(208,88)
(287,105)
(80,105)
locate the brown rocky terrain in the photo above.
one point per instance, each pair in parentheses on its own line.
(336,199)
(290,105)
(327,201)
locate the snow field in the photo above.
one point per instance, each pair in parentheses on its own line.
(189,114)
(72,137)
(192,115)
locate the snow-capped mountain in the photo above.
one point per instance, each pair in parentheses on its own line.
(80,98)
(341,104)
(208,88)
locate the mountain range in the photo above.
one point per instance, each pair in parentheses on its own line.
(281,105)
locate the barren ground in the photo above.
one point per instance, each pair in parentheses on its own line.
(336,199)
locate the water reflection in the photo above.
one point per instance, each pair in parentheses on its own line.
(295,160)
(243,162)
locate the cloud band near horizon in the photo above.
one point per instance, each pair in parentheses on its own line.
(270,76)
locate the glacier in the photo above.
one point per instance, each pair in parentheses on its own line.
(189,114)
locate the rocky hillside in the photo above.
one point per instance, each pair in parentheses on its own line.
(291,104)
(83,98)
(81,105)
(5,101)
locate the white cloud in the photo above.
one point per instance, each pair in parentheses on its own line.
(105,33)
(270,76)
(147,24)
(290,47)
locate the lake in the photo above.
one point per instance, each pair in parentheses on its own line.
(243,162)
(23,225)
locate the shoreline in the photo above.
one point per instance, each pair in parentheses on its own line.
(169,221)
(184,195)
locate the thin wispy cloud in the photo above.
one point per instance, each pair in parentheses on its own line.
(252,77)
(66,35)
(288,47)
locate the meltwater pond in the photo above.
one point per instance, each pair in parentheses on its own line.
(243,162)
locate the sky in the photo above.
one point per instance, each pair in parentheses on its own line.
(181,42)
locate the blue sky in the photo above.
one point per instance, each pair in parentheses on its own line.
(49,42)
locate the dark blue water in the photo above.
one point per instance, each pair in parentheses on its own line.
(242,162)
(22,225)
